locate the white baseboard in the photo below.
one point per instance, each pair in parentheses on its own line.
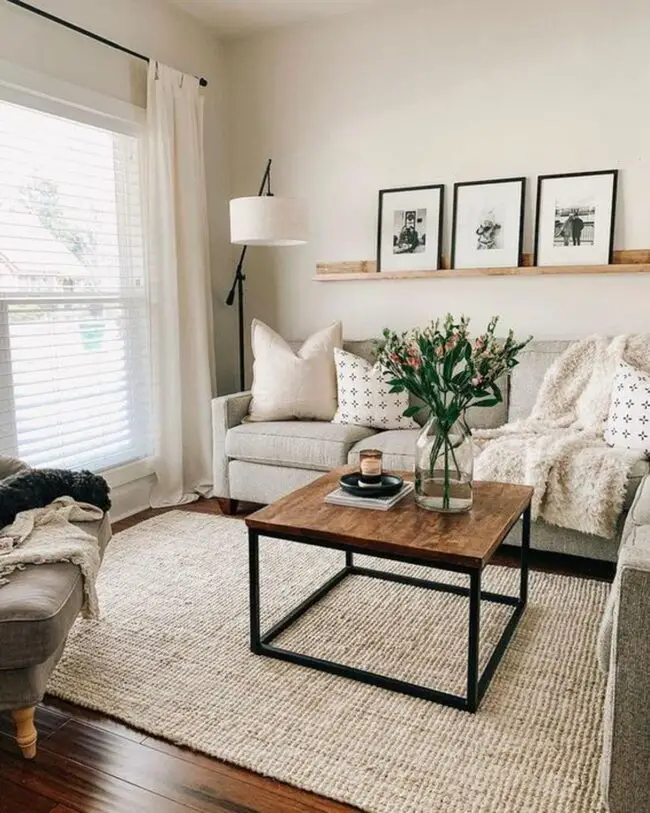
(130,498)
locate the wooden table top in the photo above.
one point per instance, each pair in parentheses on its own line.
(468,540)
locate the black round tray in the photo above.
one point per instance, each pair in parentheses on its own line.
(390,484)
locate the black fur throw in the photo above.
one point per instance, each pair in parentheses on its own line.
(37,488)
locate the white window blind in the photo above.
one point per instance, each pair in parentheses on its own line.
(74,360)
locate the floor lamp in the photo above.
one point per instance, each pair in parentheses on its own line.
(264,220)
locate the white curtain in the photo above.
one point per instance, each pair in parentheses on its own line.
(180,289)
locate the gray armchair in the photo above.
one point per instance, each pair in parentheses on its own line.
(38,606)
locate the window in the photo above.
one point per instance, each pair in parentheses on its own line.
(74,361)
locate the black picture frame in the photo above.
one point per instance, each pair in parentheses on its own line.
(490,182)
(440,188)
(560,175)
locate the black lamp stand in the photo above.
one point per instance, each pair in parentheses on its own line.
(238,286)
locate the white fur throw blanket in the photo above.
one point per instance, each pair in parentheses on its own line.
(579,480)
(46,536)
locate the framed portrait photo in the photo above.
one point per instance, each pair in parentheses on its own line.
(575,218)
(488,223)
(409,234)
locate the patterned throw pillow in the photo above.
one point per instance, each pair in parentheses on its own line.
(628,424)
(364,397)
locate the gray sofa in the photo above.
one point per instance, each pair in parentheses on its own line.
(624,651)
(38,606)
(261,462)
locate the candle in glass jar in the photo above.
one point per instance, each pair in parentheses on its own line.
(370,466)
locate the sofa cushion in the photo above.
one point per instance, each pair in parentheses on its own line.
(628,422)
(302,444)
(640,469)
(397,445)
(527,376)
(10,466)
(364,395)
(635,550)
(640,513)
(364,348)
(289,384)
(38,606)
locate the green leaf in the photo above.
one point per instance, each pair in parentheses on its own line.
(433,375)
(396,388)
(447,367)
(460,379)
(409,412)
(453,413)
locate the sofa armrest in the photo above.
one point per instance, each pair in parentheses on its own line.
(227,411)
(10,466)
(626,737)
(639,513)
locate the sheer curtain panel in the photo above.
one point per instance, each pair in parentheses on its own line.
(179,285)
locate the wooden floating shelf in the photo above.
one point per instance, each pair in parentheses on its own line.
(632,261)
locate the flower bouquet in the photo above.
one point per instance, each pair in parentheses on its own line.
(449,371)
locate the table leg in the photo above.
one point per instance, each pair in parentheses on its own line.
(525,548)
(254,590)
(473,646)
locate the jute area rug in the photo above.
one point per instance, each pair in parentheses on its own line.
(171,657)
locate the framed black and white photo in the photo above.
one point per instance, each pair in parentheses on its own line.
(575,218)
(410,228)
(488,223)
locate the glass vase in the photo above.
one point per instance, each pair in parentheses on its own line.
(444,467)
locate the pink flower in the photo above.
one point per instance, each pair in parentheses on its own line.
(479,344)
(394,358)
(414,362)
(477,381)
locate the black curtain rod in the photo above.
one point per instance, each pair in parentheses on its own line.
(59,21)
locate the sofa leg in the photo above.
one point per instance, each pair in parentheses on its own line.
(26,734)
(228,506)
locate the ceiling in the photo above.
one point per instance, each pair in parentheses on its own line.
(234,18)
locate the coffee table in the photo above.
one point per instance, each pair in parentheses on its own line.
(463,543)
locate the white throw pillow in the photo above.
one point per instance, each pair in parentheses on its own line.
(288,385)
(628,424)
(364,397)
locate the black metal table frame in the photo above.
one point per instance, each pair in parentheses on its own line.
(476,684)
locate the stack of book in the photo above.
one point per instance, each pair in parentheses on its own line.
(341,497)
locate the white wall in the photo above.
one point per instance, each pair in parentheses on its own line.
(152,28)
(441,92)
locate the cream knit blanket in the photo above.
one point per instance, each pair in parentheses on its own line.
(579,481)
(46,536)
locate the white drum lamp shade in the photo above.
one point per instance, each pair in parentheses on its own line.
(267,220)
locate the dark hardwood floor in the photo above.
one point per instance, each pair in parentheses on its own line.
(90,763)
